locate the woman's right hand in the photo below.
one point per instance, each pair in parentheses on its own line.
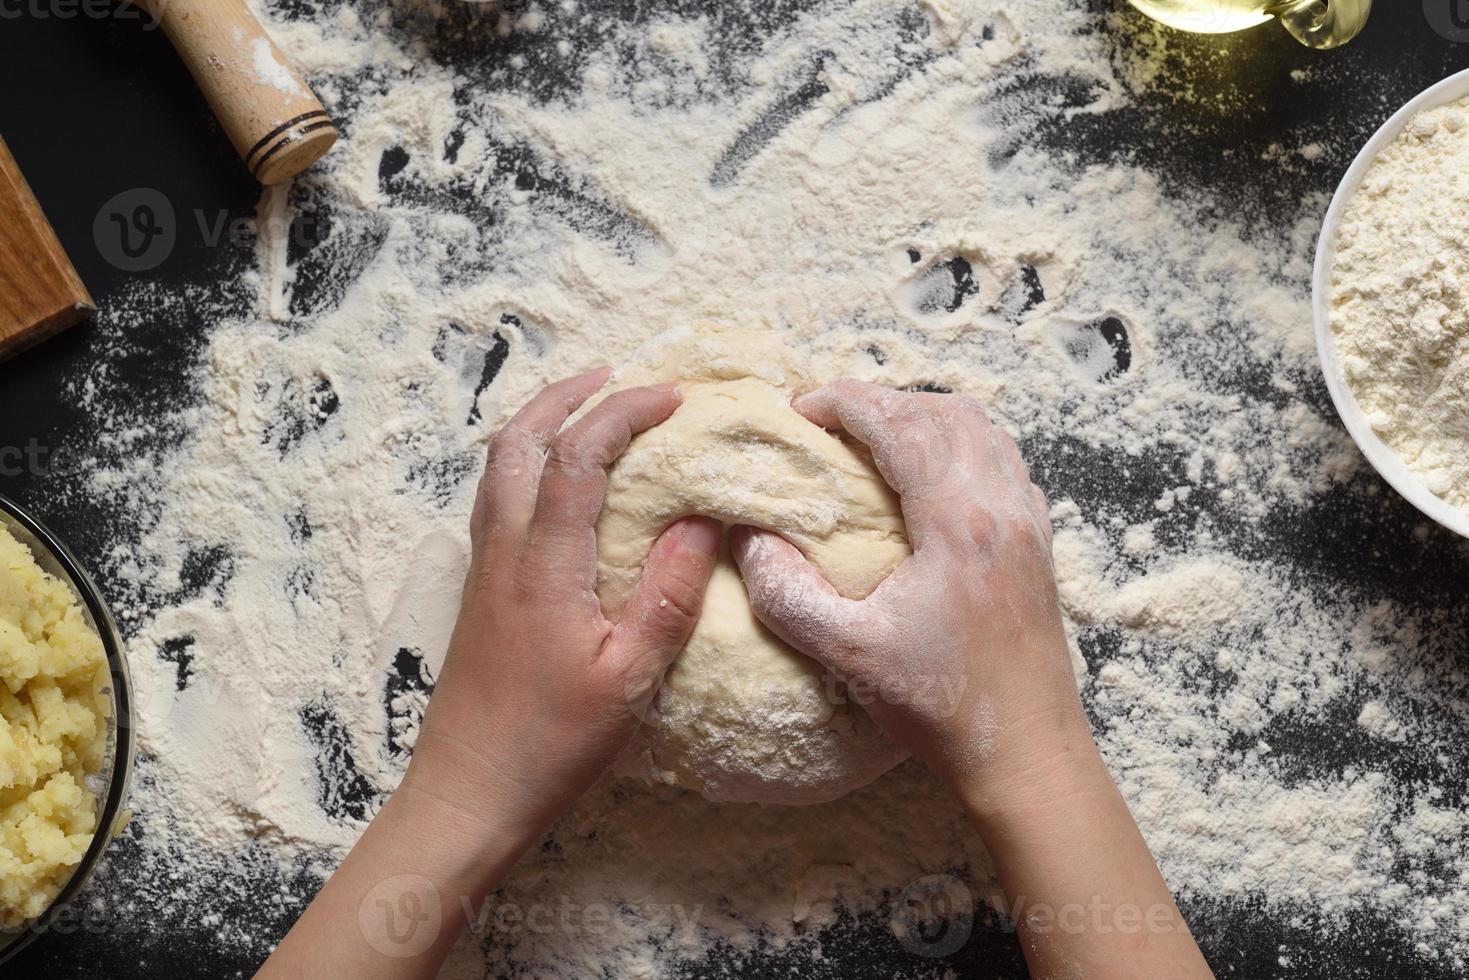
(960,654)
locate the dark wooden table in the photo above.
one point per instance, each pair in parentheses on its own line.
(96,106)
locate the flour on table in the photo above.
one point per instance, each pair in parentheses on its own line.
(904,190)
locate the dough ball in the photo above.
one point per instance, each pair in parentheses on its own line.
(741,716)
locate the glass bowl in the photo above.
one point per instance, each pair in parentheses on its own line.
(110,784)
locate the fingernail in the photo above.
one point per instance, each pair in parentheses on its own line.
(702,534)
(670,386)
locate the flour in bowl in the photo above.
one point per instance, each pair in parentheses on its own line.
(1400,298)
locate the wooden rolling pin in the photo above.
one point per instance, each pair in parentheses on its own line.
(275,122)
(40,292)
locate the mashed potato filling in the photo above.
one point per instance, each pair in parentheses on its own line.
(53,732)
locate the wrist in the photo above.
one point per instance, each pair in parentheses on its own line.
(1036,756)
(417,877)
(475,810)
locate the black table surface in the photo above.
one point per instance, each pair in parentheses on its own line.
(97,105)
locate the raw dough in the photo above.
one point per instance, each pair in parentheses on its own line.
(741,716)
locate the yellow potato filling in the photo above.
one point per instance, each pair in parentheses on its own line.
(54,707)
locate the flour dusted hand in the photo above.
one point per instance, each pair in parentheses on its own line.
(540,690)
(960,652)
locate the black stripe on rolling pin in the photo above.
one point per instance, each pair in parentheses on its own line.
(324,124)
(281,129)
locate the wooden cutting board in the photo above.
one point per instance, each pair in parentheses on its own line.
(40,292)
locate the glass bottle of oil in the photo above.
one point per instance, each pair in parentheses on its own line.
(1317,23)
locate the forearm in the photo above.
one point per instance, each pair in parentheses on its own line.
(397,904)
(1081,885)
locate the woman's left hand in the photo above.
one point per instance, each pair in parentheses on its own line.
(540,692)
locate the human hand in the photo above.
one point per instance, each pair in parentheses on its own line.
(960,654)
(539,691)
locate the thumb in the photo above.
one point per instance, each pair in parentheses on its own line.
(794,601)
(664,605)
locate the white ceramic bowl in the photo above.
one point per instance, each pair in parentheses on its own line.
(1386,462)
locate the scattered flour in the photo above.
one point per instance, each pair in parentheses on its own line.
(1194,594)
(891,185)
(269,70)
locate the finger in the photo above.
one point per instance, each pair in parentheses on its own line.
(1042,512)
(664,605)
(507,489)
(795,602)
(574,478)
(994,460)
(964,421)
(952,405)
(912,451)
(1005,449)
(1007,483)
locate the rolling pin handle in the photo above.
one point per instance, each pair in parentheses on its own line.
(277,126)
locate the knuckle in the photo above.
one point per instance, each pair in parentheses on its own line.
(1023,526)
(980,523)
(761,586)
(568,455)
(898,407)
(910,422)
(972,407)
(510,450)
(679,598)
(1003,444)
(785,599)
